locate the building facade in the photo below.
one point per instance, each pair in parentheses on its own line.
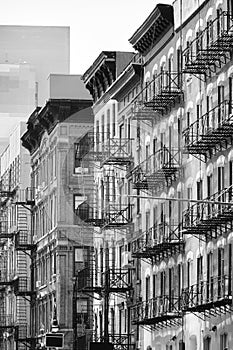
(163,166)
(44,244)
(15,231)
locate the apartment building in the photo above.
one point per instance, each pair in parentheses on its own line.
(165,169)
(16,247)
(63,243)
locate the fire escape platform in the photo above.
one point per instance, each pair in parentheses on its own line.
(158,319)
(159,249)
(202,308)
(211,49)
(165,93)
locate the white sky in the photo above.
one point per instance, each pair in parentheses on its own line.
(95,25)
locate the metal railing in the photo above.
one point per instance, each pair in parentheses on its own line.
(207,126)
(215,290)
(111,215)
(208,215)
(116,280)
(117,151)
(157,167)
(159,307)
(156,237)
(214,40)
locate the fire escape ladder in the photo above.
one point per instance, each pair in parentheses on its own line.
(211,133)
(211,48)
(204,217)
(158,97)
(160,241)
(111,280)
(158,170)
(117,151)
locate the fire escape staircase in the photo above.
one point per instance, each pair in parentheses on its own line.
(113,215)
(159,242)
(117,280)
(117,151)
(158,97)
(211,133)
(157,171)
(211,48)
(210,219)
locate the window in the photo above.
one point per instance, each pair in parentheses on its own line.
(113,120)
(162,283)
(102,128)
(189,273)
(223,341)
(147,288)
(210,277)
(97,139)
(180,281)
(230,269)
(221,109)
(230,84)
(171,288)
(221,277)
(78,260)
(108,123)
(138,202)
(112,322)
(154,286)
(77,159)
(82,311)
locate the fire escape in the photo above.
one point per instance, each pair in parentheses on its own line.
(210,219)
(211,48)
(110,213)
(157,171)
(93,281)
(17,282)
(106,213)
(210,133)
(158,97)
(159,242)
(209,298)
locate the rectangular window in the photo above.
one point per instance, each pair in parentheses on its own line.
(223,341)
(102,128)
(108,123)
(113,120)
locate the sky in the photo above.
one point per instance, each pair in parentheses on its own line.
(95,25)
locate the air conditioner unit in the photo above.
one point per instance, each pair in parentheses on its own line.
(138,344)
(38,284)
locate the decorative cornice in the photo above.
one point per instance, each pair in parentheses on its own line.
(133,73)
(55,111)
(153,28)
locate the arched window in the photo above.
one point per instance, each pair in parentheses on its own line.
(207,343)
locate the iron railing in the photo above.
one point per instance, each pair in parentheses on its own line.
(158,96)
(211,47)
(201,218)
(157,240)
(217,290)
(210,130)
(155,310)
(160,167)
